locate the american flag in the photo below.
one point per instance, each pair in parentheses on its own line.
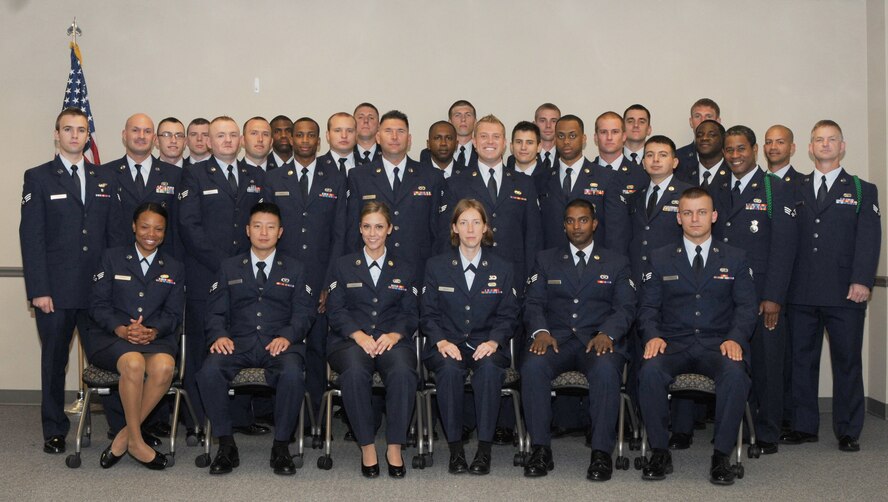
(76,96)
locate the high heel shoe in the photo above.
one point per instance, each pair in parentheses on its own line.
(158,463)
(398,471)
(370,471)
(108,459)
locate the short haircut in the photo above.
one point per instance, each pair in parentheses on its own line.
(72,112)
(255,118)
(742,130)
(526,126)
(222,118)
(788,131)
(708,103)
(340,114)
(150,207)
(581,203)
(169,120)
(441,122)
(461,207)
(490,119)
(827,123)
(460,102)
(721,128)
(306,119)
(575,119)
(395,115)
(198,121)
(375,206)
(546,106)
(610,115)
(696,193)
(637,106)
(661,140)
(366,105)
(281,117)
(266,207)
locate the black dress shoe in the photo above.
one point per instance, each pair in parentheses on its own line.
(282,463)
(767,448)
(503,435)
(159,429)
(253,429)
(458,463)
(370,471)
(658,466)
(480,464)
(54,445)
(680,441)
(158,463)
(848,443)
(540,462)
(227,458)
(798,437)
(721,472)
(349,436)
(396,471)
(601,467)
(150,439)
(108,459)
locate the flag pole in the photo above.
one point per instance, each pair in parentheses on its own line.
(76,406)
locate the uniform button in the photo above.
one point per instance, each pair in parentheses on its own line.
(494,215)
(259,299)
(258,314)
(574,316)
(397,244)
(816,236)
(697,296)
(728,224)
(725,239)
(373,313)
(303,230)
(697,331)
(235,225)
(468,307)
(305,246)
(494,245)
(375,300)
(466,335)
(494,229)
(139,309)
(372,326)
(397,227)
(397,213)
(815,250)
(697,314)
(234,242)
(86,248)
(141,294)
(259,327)
(468,322)
(644,243)
(304,214)
(84,231)
(816,220)
(576,300)
(644,258)
(647,228)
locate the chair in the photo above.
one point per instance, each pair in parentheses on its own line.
(253,380)
(103,382)
(693,385)
(325,414)
(511,386)
(575,383)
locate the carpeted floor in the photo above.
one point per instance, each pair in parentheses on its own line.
(809,472)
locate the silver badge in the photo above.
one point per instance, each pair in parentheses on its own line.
(754,226)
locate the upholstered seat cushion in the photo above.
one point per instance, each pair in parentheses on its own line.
(693,382)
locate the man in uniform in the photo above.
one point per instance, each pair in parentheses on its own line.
(214,206)
(610,138)
(257,142)
(709,170)
(259,311)
(170,141)
(462,115)
(525,158)
(637,121)
(281,154)
(702,109)
(697,313)
(441,145)
(545,117)
(840,239)
(757,214)
(779,148)
(198,141)
(70,213)
(580,304)
(340,136)
(367,150)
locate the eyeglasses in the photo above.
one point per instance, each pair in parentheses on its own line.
(168,135)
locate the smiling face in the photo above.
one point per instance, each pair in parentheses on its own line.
(170,140)
(740,155)
(138,136)
(490,143)
(779,146)
(374,229)
(149,229)
(525,147)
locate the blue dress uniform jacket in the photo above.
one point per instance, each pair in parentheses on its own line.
(792,176)
(631,177)
(838,245)
(680,309)
(354,303)
(660,229)
(769,235)
(602,300)
(599,187)
(425,156)
(540,173)
(213,219)
(416,209)
(62,238)
(691,174)
(360,161)
(252,316)
(162,187)
(271,163)
(314,228)
(687,162)
(514,217)
(121,292)
(453,312)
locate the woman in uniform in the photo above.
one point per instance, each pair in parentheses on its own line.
(135,311)
(469,314)
(373,315)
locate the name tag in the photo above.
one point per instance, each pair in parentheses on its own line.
(553,281)
(214,191)
(670,277)
(282,194)
(235,281)
(354,285)
(123,277)
(445,289)
(671,209)
(368,197)
(58,196)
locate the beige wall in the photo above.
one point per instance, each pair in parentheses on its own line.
(764,62)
